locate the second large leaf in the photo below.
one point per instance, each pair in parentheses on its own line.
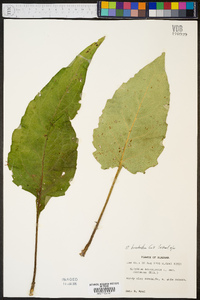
(133,125)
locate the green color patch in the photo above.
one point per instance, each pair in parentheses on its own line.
(160,5)
(119,12)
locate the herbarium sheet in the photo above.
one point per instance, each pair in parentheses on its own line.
(134,134)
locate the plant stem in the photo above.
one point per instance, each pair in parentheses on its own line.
(38,211)
(36,246)
(83,252)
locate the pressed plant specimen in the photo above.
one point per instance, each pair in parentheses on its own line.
(43,153)
(133,125)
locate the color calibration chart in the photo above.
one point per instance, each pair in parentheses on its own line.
(182,10)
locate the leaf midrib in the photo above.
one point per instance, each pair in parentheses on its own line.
(50,131)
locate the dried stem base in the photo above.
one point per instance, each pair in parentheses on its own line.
(83,252)
(35,259)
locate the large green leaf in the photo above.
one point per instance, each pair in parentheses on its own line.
(133,123)
(44,147)
(133,126)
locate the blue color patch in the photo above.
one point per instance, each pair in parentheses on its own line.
(152,5)
(134,5)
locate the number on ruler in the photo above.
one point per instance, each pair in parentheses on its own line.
(9,10)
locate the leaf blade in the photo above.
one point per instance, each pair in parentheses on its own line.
(44,147)
(133,122)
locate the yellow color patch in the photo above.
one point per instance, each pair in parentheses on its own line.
(174,5)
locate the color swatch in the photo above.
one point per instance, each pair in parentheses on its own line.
(172,9)
(145,10)
(123,9)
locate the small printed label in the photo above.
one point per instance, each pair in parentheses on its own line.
(106,288)
(73,281)
(178,30)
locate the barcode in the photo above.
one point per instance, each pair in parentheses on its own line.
(104,290)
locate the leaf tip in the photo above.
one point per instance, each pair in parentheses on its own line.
(101,40)
(163,56)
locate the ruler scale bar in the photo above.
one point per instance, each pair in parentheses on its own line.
(66,10)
